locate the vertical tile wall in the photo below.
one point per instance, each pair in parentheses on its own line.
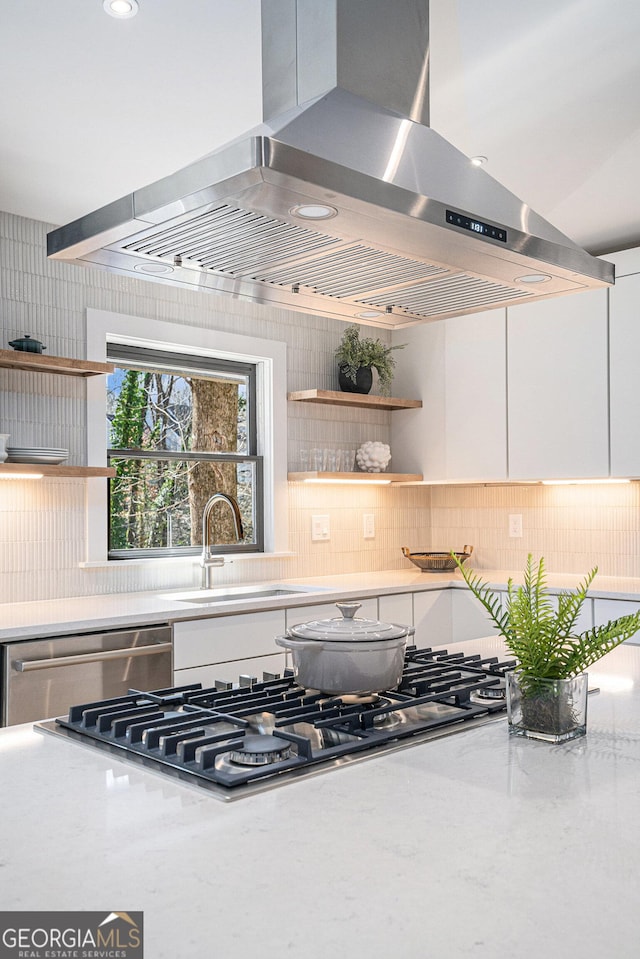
(573,527)
(42,525)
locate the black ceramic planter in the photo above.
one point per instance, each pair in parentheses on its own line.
(363,383)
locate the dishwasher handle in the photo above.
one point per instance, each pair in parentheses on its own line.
(27,665)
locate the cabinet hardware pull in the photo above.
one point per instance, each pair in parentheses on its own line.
(26,665)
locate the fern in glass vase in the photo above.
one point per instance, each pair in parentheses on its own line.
(544,639)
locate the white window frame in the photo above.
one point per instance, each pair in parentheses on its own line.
(270,358)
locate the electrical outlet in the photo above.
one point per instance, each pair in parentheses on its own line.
(515,524)
(369,526)
(320,528)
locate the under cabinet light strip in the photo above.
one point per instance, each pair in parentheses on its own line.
(584,482)
(343,482)
(21,476)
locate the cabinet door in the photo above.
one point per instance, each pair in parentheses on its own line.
(624,349)
(432,617)
(557,388)
(607,609)
(470,619)
(457,367)
(230,672)
(418,436)
(476,396)
(396,608)
(220,639)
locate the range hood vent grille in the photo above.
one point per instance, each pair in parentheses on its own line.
(450,293)
(232,240)
(236,242)
(351,272)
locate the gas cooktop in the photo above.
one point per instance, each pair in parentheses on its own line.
(238,741)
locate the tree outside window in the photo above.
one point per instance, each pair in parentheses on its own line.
(180,428)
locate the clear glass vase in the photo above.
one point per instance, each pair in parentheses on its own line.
(554,710)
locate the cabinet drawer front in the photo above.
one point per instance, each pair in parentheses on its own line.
(226,638)
(230,672)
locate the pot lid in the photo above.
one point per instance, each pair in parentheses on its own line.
(349,628)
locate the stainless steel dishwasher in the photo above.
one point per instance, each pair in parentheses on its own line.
(42,678)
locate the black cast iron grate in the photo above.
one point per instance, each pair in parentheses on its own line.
(201,734)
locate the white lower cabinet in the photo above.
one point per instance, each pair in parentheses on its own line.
(449,616)
(432,617)
(224,647)
(396,608)
(469,618)
(259,668)
(605,610)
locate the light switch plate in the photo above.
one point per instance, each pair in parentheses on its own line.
(320,528)
(369,526)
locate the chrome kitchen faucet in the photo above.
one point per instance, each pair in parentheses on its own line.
(208,561)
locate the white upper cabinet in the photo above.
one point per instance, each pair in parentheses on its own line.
(417,436)
(457,367)
(476,396)
(558,388)
(624,349)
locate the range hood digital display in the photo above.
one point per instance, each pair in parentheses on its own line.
(477,226)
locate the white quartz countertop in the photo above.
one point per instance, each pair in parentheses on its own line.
(478,844)
(31,620)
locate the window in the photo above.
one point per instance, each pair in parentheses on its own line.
(181,427)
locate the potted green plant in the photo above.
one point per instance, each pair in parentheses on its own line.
(547,690)
(357,357)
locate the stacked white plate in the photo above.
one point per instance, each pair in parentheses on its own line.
(45,456)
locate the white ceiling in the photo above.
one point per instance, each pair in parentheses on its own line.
(93,108)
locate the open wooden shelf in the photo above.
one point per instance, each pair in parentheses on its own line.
(19,360)
(359,477)
(362,401)
(6,469)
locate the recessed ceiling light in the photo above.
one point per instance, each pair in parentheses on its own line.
(154,268)
(478,160)
(311,211)
(533,278)
(368,315)
(122,9)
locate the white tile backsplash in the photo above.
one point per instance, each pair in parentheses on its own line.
(42,525)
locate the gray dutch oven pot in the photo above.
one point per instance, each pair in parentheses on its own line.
(347,654)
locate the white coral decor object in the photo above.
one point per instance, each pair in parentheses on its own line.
(373,457)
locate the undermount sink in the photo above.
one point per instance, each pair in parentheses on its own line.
(234,594)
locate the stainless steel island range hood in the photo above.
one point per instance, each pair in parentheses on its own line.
(344,202)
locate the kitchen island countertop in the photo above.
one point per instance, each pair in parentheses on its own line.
(478,844)
(39,619)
